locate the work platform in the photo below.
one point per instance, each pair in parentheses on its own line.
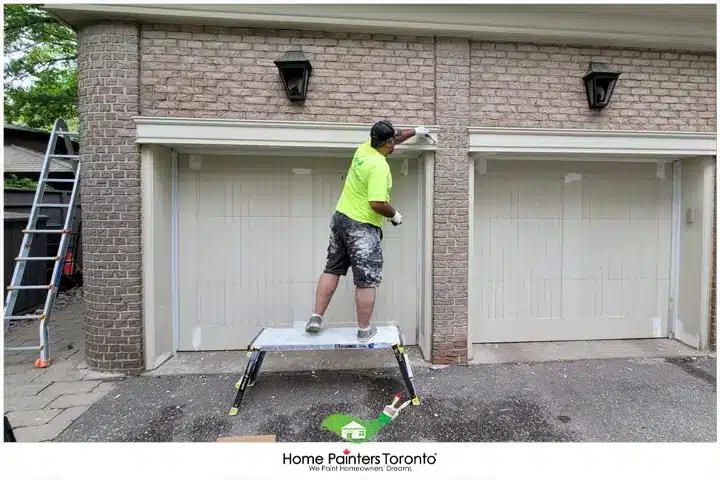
(330,338)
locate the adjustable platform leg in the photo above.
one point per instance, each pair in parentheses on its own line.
(256,370)
(404,363)
(243,383)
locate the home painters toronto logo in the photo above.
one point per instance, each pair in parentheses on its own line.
(355,430)
(357,462)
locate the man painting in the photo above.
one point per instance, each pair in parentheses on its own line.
(356,227)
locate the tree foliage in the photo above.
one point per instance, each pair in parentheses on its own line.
(40,68)
(12,181)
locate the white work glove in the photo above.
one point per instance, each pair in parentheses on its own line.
(422,131)
(396,219)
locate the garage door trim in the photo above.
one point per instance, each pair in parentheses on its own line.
(218,132)
(162,138)
(514,142)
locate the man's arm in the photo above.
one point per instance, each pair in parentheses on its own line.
(403,135)
(378,192)
(383,208)
(378,195)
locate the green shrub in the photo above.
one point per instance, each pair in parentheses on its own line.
(12,181)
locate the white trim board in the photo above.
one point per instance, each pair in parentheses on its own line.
(690,27)
(218,133)
(587,145)
(707,233)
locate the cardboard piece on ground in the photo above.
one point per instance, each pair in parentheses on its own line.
(248,438)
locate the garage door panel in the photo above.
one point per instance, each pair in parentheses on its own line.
(253,241)
(578,260)
(539,199)
(305,249)
(302,203)
(663,246)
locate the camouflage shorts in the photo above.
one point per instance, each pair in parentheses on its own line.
(357,245)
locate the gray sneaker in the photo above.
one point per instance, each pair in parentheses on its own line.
(314,324)
(364,336)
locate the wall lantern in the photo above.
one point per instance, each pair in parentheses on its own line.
(599,84)
(295,71)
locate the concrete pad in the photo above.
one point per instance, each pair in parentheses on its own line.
(19,358)
(28,418)
(104,387)
(25,390)
(615,400)
(50,430)
(100,376)
(69,353)
(34,402)
(77,399)
(67,388)
(72,413)
(17,368)
(187,363)
(60,375)
(555,351)
(20,379)
(65,364)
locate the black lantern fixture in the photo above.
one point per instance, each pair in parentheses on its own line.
(599,84)
(295,72)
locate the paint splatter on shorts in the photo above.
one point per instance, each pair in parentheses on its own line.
(357,245)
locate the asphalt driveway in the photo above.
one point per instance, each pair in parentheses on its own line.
(653,400)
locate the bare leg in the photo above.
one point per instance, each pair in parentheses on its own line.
(365,303)
(327,284)
(325,290)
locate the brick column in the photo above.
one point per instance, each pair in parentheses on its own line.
(450,244)
(109,96)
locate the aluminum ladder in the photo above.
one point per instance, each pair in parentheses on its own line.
(60,130)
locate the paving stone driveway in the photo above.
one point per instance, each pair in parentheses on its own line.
(41,403)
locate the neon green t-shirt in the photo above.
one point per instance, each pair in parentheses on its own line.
(368,180)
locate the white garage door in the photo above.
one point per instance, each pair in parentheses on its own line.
(561,257)
(253,236)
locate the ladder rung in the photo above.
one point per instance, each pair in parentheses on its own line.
(60,180)
(72,157)
(32,230)
(24,317)
(70,134)
(29,287)
(25,259)
(53,205)
(34,347)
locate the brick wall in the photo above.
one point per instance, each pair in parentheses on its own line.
(110,187)
(451,216)
(221,72)
(229,73)
(540,86)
